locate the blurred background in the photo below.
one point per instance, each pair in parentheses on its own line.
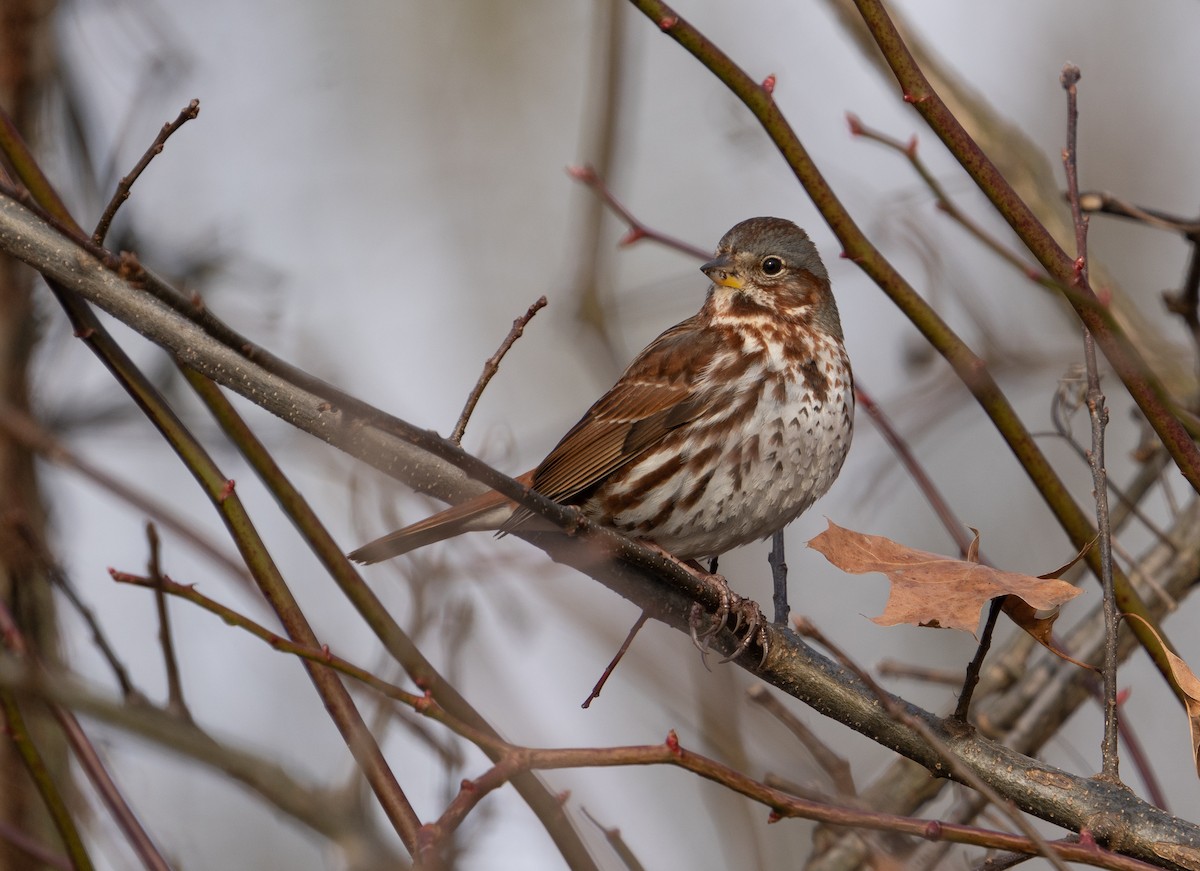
(374,190)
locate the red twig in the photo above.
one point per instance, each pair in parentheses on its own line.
(190,111)
(637,230)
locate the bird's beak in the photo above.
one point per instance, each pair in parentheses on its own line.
(720,270)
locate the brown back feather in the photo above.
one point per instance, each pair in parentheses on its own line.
(657,394)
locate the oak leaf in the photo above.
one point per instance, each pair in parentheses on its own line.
(933,590)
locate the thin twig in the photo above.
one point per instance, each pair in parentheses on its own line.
(947,205)
(110,793)
(637,230)
(613,836)
(107,651)
(975,666)
(175,703)
(1069,398)
(1109,204)
(493,365)
(611,667)
(190,111)
(1003,862)
(1185,302)
(892,668)
(32,540)
(953,526)
(1099,416)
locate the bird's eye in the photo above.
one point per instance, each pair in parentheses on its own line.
(772,266)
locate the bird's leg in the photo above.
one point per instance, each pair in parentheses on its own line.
(779,572)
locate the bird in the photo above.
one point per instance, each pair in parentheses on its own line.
(722,431)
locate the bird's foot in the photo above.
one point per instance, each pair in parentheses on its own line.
(748,618)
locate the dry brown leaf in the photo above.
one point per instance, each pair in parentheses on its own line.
(1040,628)
(1189,687)
(933,590)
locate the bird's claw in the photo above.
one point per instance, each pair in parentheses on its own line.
(746,614)
(747,611)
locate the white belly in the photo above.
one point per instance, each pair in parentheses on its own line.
(782,453)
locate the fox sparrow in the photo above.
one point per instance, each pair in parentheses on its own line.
(722,431)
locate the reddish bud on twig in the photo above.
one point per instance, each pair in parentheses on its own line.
(635,234)
(563,797)
(227,490)
(673,743)
(667,22)
(85,333)
(855,124)
(933,831)
(582,173)
(911,149)
(768,84)
(1086,839)
(424,703)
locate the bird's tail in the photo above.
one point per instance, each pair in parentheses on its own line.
(488,511)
